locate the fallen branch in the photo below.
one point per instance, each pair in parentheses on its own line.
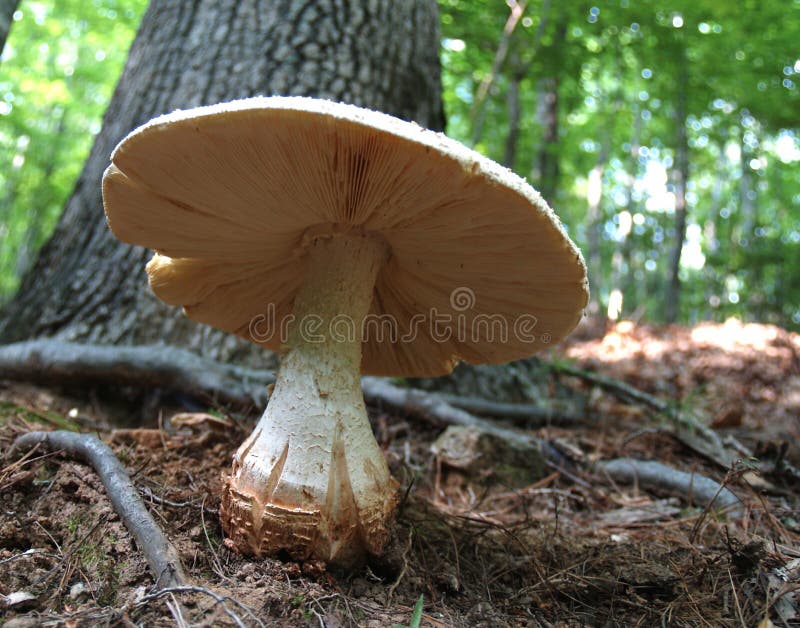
(656,476)
(222,600)
(694,434)
(534,415)
(161,556)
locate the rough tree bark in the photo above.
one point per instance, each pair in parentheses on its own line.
(7,9)
(87,286)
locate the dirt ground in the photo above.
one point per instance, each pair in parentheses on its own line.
(565,547)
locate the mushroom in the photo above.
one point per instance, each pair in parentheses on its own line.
(351,242)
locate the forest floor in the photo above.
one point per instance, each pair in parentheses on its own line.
(568,547)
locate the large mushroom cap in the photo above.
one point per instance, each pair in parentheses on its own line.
(231,195)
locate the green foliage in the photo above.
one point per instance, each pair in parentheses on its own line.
(620,65)
(58,70)
(617,67)
(416,614)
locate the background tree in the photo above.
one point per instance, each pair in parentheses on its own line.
(662,135)
(86,285)
(605,145)
(7,9)
(56,79)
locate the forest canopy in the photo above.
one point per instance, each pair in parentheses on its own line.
(665,135)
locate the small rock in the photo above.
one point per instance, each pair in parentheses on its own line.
(18,600)
(23,622)
(137,594)
(484,455)
(78,591)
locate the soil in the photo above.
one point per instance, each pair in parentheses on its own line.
(564,547)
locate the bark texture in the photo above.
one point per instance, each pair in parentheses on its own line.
(87,286)
(7,9)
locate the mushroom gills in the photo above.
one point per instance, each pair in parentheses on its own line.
(311,481)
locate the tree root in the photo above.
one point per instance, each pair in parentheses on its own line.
(534,415)
(691,432)
(53,361)
(656,476)
(161,556)
(50,360)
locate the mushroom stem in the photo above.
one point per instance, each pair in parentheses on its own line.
(310,480)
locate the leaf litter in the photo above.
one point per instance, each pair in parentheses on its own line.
(563,546)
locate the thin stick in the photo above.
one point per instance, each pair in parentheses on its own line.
(161,556)
(534,415)
(691,432)
(220,599)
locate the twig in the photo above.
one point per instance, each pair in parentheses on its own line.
(533,414)
(694,434)
(162,501)
(29,553)
(161,556)
(220,599)
(653,475)
(401,575)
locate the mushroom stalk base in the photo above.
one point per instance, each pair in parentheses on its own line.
(311,481)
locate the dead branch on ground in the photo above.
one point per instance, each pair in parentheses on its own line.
(690,431)
(181,370)
(656,476)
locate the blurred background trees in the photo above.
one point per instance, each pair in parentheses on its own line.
(665,134)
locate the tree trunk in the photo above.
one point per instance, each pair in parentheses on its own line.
(514,111)
(37,211)
(626,273)
(546,170)
(87,286)
(681,175)
(594,225)
(478,112)
(7,9)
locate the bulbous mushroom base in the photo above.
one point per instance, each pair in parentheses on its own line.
(325,517)
(311,481)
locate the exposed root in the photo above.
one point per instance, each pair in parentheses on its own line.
(688,430)
(691,487)
(53,361)
(161,556)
